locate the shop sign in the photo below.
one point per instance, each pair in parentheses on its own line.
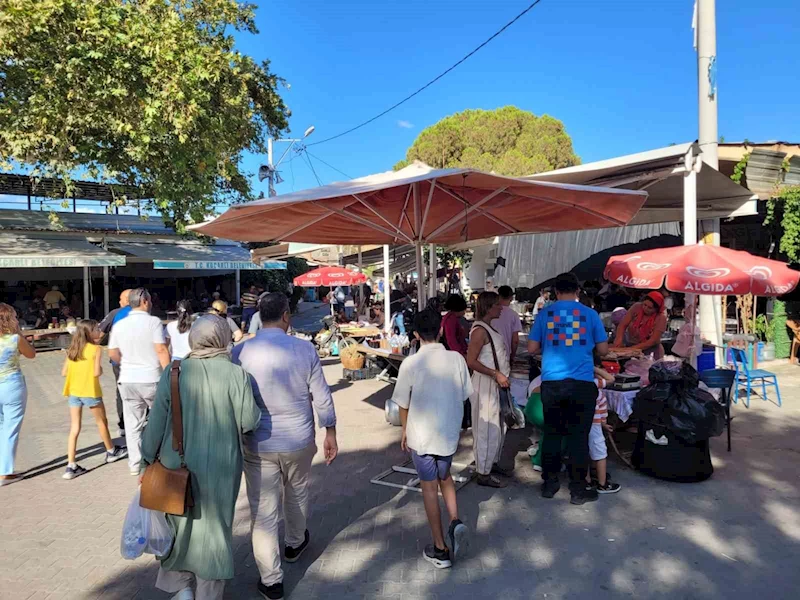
(219,265)
(34,262)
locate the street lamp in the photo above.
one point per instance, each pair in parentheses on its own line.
(270,170)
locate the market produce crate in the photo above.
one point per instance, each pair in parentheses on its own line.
(368,372)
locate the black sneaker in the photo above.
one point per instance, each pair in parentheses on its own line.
(271,592)
(293,554)
(438,558)
(458,536)
(490,481)
(117,454)
(550,488)
(609,488)
(73,472)
(586,494)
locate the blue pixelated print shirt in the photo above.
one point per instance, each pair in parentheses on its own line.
(568,332)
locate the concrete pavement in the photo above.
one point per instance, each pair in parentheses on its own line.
(734,536)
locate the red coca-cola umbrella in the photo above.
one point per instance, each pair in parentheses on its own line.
(329,276)
(702,269)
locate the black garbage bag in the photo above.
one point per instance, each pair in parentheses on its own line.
(673,401)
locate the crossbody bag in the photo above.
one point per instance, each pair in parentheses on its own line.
(506,402)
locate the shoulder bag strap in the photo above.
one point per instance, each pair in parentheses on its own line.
(491,341)
(177,415)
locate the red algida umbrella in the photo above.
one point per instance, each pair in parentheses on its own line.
(329,276)
(702,269)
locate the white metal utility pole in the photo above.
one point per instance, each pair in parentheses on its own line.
(269,171)
(708,137)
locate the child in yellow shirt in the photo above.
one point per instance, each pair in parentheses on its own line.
(82,369)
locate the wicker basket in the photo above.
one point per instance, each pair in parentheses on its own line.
(352,359)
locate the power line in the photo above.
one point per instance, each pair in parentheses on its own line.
(329,165)
(313,170)
(432,81)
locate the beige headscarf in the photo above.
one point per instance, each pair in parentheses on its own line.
(209,336)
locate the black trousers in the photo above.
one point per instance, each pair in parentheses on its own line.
(568,412)
(121,421)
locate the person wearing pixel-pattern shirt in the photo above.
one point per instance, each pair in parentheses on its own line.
(567,334)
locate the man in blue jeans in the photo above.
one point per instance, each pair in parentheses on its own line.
(567,333)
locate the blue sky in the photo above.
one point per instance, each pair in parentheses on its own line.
(620,74)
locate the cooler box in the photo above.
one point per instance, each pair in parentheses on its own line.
(707,360)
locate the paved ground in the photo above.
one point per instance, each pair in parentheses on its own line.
(734,536)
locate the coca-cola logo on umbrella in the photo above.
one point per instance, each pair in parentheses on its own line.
(760,272)
(651,266)
(707,273)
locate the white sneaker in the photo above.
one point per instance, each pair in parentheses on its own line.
(184,594)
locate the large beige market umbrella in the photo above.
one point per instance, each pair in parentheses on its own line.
(420,205)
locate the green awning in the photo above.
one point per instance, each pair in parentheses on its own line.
(29,251)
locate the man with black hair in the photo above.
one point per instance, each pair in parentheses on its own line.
(289,386)
(508,324)
(567,333)
(431,388)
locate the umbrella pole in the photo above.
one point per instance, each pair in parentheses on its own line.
(387,291)
(433,268)
(421,295)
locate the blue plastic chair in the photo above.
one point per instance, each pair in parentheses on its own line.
(723,380)
(745,377)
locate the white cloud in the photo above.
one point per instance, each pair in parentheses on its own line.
(405,124)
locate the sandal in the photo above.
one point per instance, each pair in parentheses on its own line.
(491,481)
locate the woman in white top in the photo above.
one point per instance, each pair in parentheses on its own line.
(178,331)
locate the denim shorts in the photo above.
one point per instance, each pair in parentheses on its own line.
(78,402)
(430,467)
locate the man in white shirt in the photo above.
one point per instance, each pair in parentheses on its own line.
(137,343)
(431,388)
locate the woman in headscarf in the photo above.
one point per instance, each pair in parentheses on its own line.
(218,407)
(643,325)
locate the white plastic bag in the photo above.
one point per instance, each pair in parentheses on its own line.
(145,532)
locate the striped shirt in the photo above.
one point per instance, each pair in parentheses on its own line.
(601,406)
(249,300)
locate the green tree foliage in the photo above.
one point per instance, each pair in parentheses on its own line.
(508,141)
(150,93)
(783,215)
(276,281)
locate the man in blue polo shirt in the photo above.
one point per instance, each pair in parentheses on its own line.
(567,334)
(105,326)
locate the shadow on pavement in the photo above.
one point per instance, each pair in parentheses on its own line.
(727,537)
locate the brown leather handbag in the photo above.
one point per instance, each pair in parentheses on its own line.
(169,490)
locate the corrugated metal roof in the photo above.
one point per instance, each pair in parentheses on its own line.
(31,220)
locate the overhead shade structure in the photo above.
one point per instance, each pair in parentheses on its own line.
(329,277)
(219,257)
(661,173)
(29,251)
(419,205)
(702,269)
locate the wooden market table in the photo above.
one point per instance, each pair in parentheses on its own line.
(48,338)
(362,332)
(393,360)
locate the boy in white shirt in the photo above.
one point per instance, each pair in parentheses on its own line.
(431,388)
